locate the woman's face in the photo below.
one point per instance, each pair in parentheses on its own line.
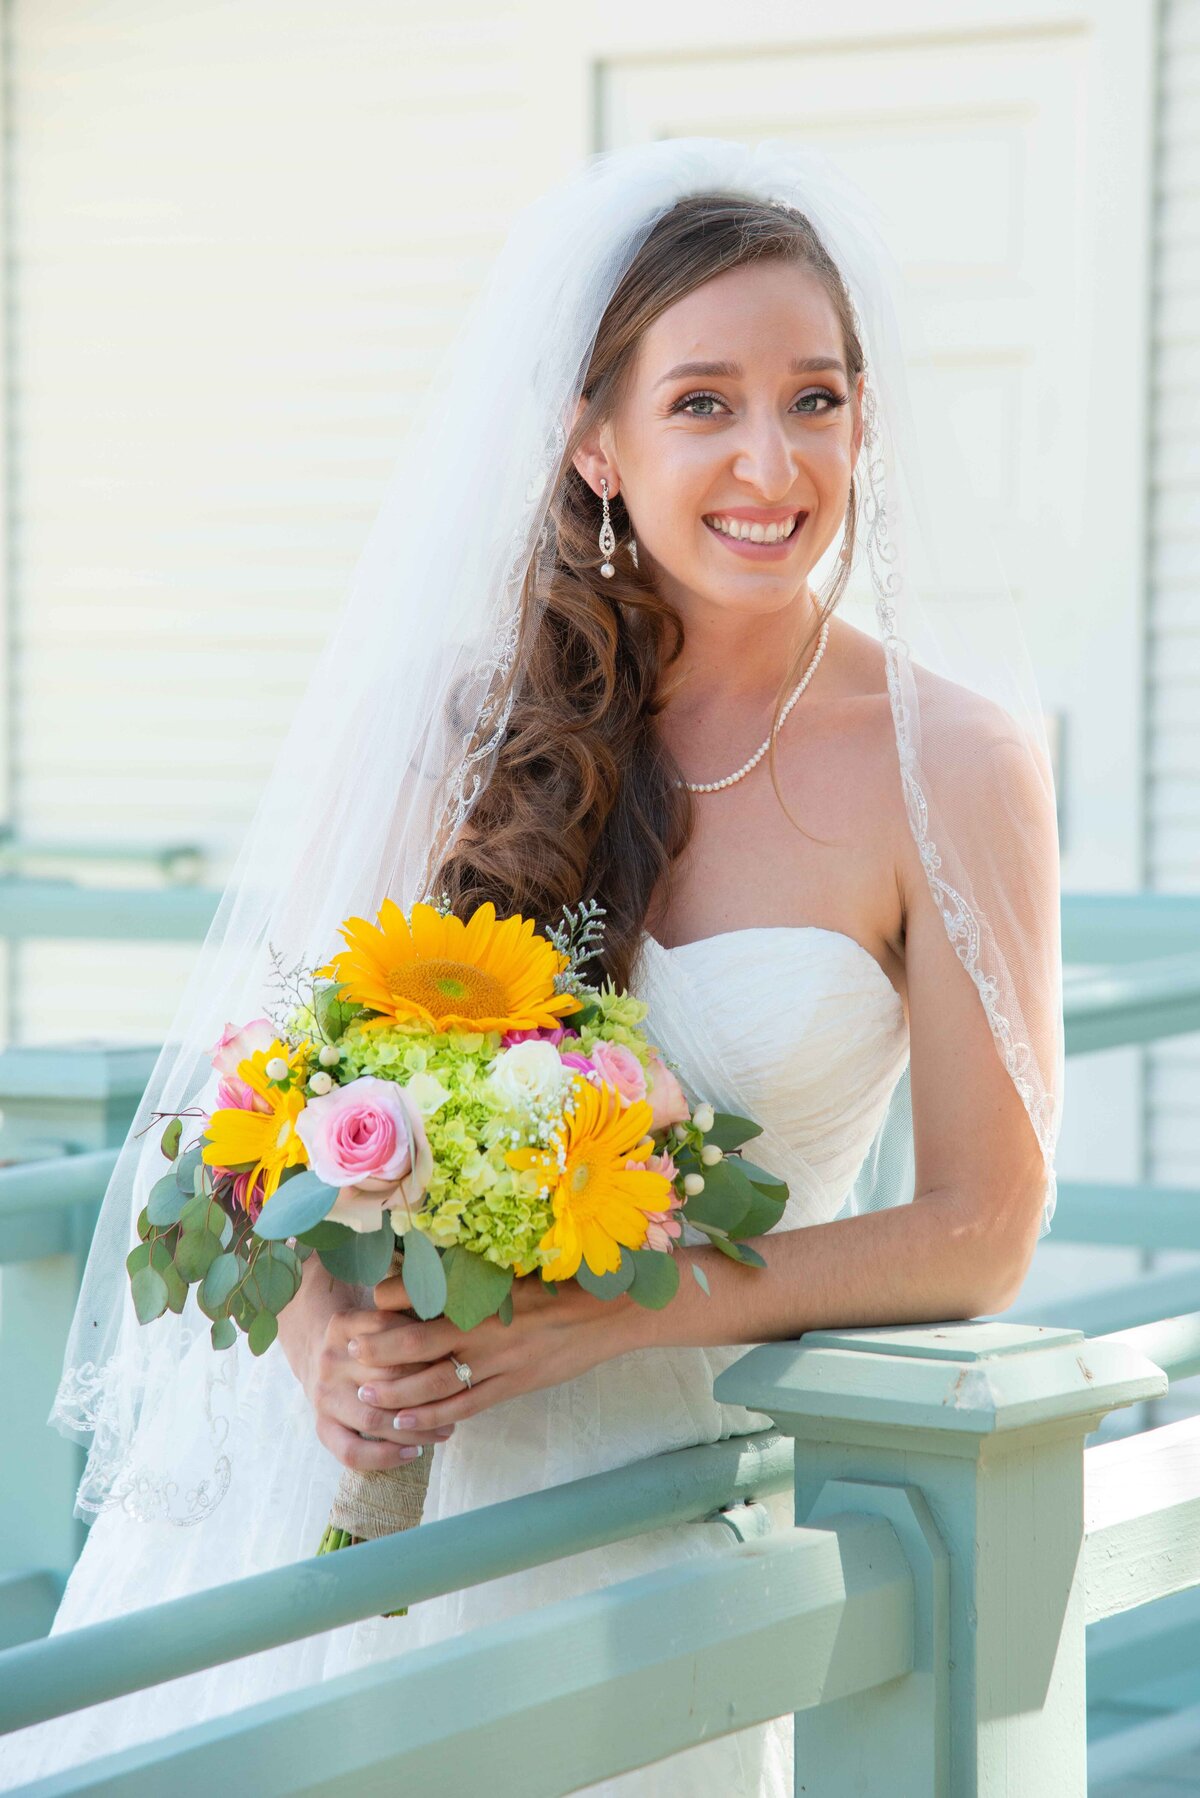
(767,433)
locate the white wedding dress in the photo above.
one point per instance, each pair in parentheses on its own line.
(797,1027)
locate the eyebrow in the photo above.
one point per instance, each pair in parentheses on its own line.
(799,365)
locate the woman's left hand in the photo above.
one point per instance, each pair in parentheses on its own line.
(553,1337)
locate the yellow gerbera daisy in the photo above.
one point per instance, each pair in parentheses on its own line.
(441,974)
(266,1138)
(600,1202)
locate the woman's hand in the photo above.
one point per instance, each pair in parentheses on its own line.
(408,1377)
(315,1333)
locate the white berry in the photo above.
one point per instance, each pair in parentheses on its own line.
(711,1153)
(330,1055)
(703,1117)
(320,1083)
(277,1068)
(693,1184)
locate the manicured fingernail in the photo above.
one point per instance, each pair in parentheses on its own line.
(352,1346)
(404,1420)
(367,1394)
(411,1454)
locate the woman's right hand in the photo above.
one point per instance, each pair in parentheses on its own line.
(314,1333)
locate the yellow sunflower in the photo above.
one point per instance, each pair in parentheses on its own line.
(441,974)
(266,1138)
(600,1203)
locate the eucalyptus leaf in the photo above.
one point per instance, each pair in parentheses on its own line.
(160,1254)
(475,1287)
(185,1170)
(701,1278)
(295,1207)
(262,1332)
(224,1333)
(271,1283)
(764,1213)
(222,1276)
(655,1278)
(149,1294)
(197,1251)
(424,1275)
(177,1289)
(758,1176)
(738,1251)
(730,1131)
(608,1286)
(726,1198)
(363,1259)
(169,1141)
(505,1313)
(136,1258)
(144,1226)
(327,1236)
(165,1202)
(194,1214)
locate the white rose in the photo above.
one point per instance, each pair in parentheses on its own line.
(529,1074)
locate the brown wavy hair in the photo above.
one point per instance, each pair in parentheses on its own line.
(581,801)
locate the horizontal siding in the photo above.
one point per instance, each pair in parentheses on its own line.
(1173,647)
(230,277)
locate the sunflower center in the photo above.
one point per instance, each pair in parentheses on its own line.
(442,985)
(581,1173)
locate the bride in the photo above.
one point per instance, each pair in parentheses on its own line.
(595,649)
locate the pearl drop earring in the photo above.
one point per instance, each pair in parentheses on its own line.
(608,541)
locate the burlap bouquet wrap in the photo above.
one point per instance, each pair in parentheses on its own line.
(368,1505)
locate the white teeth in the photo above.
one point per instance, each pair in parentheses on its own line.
(753,533)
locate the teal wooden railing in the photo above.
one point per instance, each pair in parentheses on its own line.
(926,1620)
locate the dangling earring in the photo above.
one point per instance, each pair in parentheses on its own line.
(608,541)
(846,553)
(633,551)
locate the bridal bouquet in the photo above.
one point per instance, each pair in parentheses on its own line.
(450,1098)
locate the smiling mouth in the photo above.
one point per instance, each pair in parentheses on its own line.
(742,530)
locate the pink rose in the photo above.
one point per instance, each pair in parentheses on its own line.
(668,1102)
(237,1045)
(620,1067)
(234,1095)
(366,1138)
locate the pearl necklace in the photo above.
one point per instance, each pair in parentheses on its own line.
(714,786)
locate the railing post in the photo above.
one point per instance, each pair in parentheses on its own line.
(983,1424)
(54,1100)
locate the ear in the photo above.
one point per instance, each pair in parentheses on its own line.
(593,459)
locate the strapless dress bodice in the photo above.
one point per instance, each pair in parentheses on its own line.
(795,1026)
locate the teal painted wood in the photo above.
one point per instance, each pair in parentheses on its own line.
(1117,927)
(570,1693)
(1137,1648)
(1172,1343)
(987,1421)
(62,1102)
(59,908)
(84,1666)
(1145,1217)
(28,1602)
(1100,1315)
(1137,1003)
(1142,1514)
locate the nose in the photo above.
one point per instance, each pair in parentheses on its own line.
(766,458)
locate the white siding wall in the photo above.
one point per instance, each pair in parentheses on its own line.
(1173,609)
(227,279)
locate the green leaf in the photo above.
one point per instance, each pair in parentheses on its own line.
(222,1276)
(197,1251)
(758,1176)
(764,1213)
(144,1226)
(655,1278)
(327,1236)
(424,1275)
(726,1198)
(363,1259)
(169,1141)
(295,1207)
(194,1214)
(738,1251)
(263,1332)
(700,1277)
(223,1333)
(161,1252)
(137,1258)
(165,1202)
(475,1287)
(729,1130)
(608,1286)
(185,1170)
(333,1012)
(149,1294)
(272,1282)
(177,1290)
(505,1312)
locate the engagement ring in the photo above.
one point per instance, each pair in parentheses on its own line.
(462,1371)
